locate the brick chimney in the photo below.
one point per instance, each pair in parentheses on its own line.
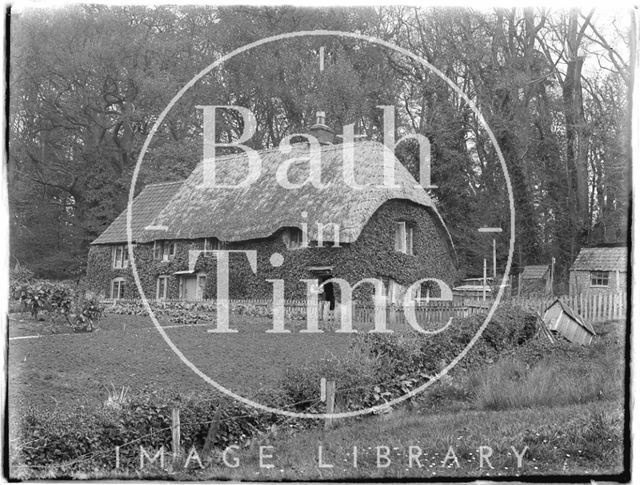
(320,131)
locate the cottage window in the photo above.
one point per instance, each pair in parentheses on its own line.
(428,291)
(161,287)
(599,278)
(293,238)
(158,248)
(211,244)
(404,237)
(117,288)
(201,283)
(120,256)
(164,250)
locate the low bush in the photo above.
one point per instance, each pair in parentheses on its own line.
(61,302)
(381,367)
(85,439)
(20,275)
(355,373)
(178,313)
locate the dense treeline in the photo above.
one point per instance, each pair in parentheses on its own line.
(87,83)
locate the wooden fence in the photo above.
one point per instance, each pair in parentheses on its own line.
(593,308)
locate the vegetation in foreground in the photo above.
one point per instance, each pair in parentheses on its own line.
(562,401)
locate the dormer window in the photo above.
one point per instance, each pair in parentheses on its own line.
(293,238)
(164,250)
(404,237)
(120,256)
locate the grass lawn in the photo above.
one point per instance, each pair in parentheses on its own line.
(66,370)
(581,439)
(565,406)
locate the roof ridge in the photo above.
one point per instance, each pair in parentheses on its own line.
(323,148)
(156,184)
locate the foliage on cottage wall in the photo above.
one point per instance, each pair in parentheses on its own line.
(372,255)
(100,270)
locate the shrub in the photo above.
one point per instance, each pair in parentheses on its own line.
(355,373)
(20,275)
(62,303)
(381,367)
(408,361)
(87,313)
(84,439)
(33,297)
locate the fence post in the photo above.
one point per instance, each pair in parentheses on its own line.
(331,401)
(609,306)
(622,301)
(175,432)
(213,431)
(601,312)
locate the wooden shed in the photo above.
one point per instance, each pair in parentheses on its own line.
(535,280)
(562,319)
(599,270)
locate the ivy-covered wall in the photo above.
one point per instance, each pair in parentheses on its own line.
(372,255)
(100,271)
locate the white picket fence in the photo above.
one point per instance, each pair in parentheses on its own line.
(594,308)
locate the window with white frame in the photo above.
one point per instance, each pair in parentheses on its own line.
(404,237)
(117,288)
(211,244)
(164,250)
(162,286)
(120,256)
(600,278)
(293,238)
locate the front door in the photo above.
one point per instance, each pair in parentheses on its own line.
(189,287)
(327,293)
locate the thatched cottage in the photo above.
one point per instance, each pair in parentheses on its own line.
(394,234)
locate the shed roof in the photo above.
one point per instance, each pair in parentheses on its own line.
(574,316)
(534,272)
(259,209)
(145,207)
(601,259)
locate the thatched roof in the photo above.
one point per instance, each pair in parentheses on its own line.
(601,259)
(145,207)
(534,271)
(263,207)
